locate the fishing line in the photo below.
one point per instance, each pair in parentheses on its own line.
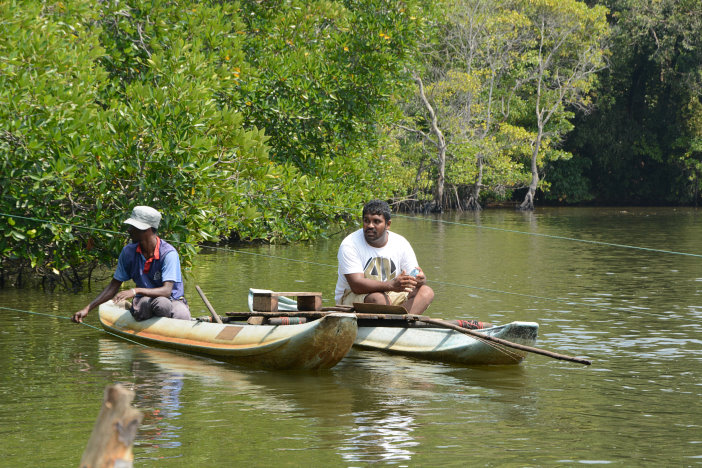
(434,220)
(530,296)
(552,236)
(514,231)
(68,318)
(447,283)
(77,226)
(255,254)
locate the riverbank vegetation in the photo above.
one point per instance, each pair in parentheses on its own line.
(276,120)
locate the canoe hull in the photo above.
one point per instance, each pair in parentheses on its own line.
(440,344)
(320,344)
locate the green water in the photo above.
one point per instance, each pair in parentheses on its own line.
(637,314)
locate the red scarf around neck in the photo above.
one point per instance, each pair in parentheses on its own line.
(156,255)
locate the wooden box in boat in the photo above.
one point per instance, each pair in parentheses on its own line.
(318,344)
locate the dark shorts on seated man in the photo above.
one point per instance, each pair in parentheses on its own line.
(146,307)
(349,297)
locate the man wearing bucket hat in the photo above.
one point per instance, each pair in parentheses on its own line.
(153,265)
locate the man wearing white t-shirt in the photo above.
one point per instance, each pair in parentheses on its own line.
(374,264)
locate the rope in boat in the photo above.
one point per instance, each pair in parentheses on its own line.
(499,347)
(68,318)
(445,283)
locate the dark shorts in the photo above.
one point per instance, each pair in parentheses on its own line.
(144,307)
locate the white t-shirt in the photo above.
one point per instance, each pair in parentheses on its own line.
(382,264)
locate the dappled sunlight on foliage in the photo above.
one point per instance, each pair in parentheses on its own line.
(249,122)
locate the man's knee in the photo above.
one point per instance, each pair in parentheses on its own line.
(424,293)
(162,307)
(377,298)
(141,308)
(427,293)
(180,311)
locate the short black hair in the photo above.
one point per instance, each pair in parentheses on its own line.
(377,207)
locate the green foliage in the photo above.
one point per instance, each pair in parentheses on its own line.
(641,142)
(276,120)
(87,135)
(173,137)
(323,74)
(566,50)
(259,121)
(52,122)
(689,143)
(502,79)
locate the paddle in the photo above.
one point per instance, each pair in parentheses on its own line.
(209,306)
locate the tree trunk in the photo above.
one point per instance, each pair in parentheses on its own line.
(458,199)
(472,202)
(440,179)
(528,203)
(440,144)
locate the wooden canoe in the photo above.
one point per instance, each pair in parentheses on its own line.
(318,344)
(435,343)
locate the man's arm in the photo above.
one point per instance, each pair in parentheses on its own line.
(106,294)
(361,285)
(164,291)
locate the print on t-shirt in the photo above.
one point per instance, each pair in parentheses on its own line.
(380,268)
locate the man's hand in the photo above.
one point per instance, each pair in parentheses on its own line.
(80,315)
(124,295)
(404,282)
(105,295)
(420,277)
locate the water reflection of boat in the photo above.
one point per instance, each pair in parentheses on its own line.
(304,393)
(435,343)
(372,407)
(318,344)
(352,415)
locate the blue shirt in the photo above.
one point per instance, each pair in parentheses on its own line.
(130,266)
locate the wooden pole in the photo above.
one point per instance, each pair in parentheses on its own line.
(311,314)
(110,444)
(209,306)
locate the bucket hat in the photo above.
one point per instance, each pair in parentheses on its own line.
(144,217)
